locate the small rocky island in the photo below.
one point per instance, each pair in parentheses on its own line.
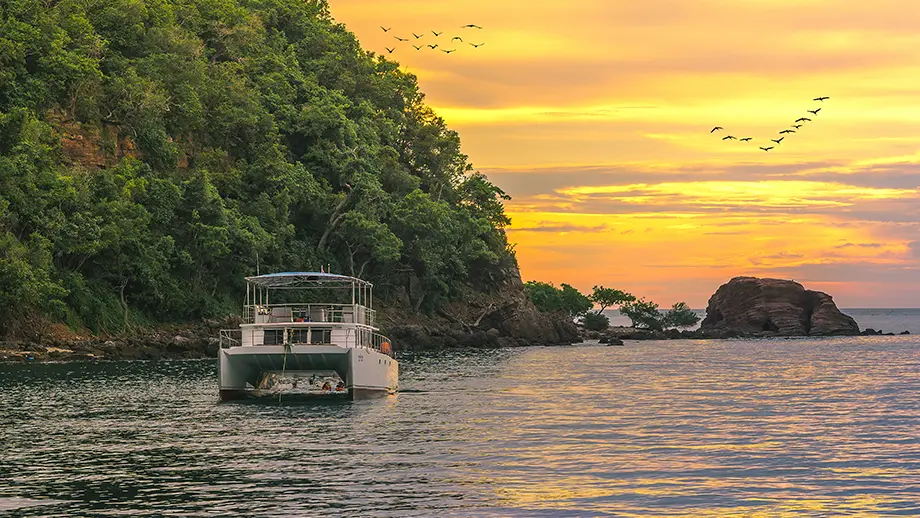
(774,307)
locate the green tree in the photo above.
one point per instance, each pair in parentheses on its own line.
(680,315)
(596,321)
(548,298)
(609,297)
(644,314)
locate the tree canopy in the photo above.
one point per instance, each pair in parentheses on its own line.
(567,299)
(153,152)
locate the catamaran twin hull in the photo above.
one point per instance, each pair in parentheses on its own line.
(366,372)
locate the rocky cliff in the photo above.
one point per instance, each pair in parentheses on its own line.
(774,307)
(503,318)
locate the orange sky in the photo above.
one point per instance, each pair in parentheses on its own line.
(594,115)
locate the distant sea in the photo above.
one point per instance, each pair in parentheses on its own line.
(891,320)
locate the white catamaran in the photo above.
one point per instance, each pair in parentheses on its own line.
(290,327)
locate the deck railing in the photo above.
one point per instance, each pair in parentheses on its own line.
(230,338)
(333,313)
(360,338)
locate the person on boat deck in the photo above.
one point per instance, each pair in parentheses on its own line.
(327,386)
(340,386)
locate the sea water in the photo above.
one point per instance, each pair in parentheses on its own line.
(808,427)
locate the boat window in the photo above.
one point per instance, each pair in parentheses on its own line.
(300,336)
(273,337)
(321,336)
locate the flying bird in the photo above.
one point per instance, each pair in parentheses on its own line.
(432,47)
(417,36)
(448,51)
(417,47)
(471,26)
(767,148)
(401,39)
(455,38)
(385,29)
(745,139)
(477,46)
(728,137)
(820,99)
(803,119)
(814,111)
(437,33)
(716,129)
(777,140)
(786,131)
(796,126)
(389,49)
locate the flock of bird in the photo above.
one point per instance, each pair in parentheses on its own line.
(416,38)
(793,128)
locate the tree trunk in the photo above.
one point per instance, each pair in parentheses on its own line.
(124,303)
(334,219)
(418,302)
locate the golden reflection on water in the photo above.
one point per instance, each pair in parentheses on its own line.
(704,429)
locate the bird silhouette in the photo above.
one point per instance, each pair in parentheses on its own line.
(477,46)
(745,139)
(389,49)
(716,129)
(803,119)
(786,131)
(437,33)
(728,137)
(471,26)
(777,140)
(455,38)
(796,126)
(385,29)
(767,148)
(432,47)
(820,99)
(417,47)
(448,51)
(815,112)
(401,39)
(417,36)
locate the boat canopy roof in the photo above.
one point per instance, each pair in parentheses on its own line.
(305,280)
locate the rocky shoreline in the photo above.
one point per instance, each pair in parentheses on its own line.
(745,307)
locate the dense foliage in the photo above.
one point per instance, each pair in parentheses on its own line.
(153,152)
(643,314)
(549,298)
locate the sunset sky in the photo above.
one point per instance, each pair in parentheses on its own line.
(594,115)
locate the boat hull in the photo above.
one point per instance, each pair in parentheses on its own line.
(366,372)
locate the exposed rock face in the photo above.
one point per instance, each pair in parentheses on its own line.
(775,307)
(505,318)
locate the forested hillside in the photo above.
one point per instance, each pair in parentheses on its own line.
(153,151)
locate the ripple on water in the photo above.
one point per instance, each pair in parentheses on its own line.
(743,428)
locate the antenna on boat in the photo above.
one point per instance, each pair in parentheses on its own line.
(257,262)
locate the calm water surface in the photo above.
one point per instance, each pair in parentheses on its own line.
(679,428)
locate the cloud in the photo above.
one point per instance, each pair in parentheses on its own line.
(860,245)
(914,248)
(559,228)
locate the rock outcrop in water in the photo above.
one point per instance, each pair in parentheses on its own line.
(774,307)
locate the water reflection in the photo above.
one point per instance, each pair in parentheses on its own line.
(743,428)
